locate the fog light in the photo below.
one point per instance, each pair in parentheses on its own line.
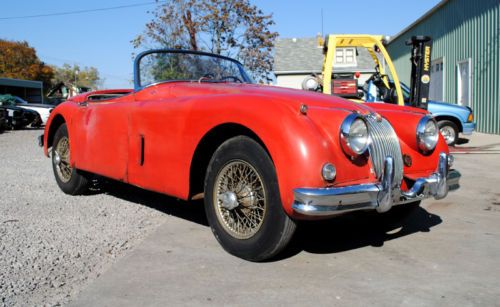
(451,159)
(328,171)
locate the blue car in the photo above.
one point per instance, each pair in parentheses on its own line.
(452,119)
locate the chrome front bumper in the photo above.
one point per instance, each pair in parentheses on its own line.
(378,196)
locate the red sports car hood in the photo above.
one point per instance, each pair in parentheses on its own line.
(293,96)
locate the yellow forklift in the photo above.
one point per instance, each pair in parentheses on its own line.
(384,81)
(384,85)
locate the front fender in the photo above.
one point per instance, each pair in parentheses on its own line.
(299,144)
(449,110)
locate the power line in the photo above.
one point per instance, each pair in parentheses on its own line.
(80,11)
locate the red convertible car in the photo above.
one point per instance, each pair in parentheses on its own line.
(261,157)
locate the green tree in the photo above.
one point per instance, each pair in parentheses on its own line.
(84,77)
(19,61)
(233,28)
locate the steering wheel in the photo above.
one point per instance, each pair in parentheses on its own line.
(378,80)
(234,78)
(207,76)
(376,77)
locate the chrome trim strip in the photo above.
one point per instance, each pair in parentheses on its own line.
(375,196)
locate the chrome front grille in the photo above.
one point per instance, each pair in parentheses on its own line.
(384,143)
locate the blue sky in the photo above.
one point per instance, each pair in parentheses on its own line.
(102,39)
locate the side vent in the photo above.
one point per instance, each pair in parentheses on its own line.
(141,151)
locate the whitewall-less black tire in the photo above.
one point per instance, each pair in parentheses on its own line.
(69,179)
(243,203)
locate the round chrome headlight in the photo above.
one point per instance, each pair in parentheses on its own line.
(427,134)
(354,135)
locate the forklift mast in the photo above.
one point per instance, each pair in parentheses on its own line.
(421,47)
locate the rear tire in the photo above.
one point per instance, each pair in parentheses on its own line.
(449,130)
(242,201)
(69,179)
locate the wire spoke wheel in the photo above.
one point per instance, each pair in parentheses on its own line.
(61,160)
(239,199)
(244,208)
(68,178)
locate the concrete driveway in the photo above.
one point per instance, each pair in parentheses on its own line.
(446,253)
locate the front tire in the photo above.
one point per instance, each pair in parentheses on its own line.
(242,201)
(70,180)
(449,130)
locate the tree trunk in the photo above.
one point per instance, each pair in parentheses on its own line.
(189,24)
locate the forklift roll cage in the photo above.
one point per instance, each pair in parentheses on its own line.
(369,42)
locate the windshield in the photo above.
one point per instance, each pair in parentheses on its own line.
(7,100)
(179,65)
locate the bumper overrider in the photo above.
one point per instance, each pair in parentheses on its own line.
(378,196)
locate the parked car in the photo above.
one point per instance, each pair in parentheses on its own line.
(452,119)
(63,91)
(18,117)
(41,108)
(3,120)
(261,157)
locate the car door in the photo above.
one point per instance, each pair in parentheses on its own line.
(156,158)
(101,137)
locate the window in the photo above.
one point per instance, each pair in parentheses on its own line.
(345,57)
(464,74)
(436,89)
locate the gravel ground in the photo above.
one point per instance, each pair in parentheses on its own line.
(53,245)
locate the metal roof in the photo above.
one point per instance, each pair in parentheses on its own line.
(419,20)
(21,83)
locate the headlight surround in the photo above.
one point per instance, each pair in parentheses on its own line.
(354,137)
(427,134)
